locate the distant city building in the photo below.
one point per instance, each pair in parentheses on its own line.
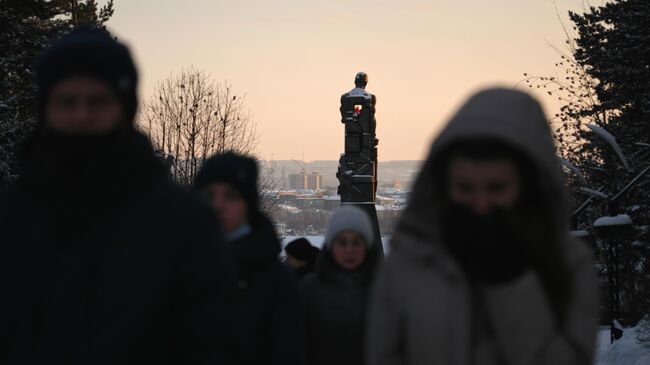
(384,200)
(311,203)
(287,198)
(332,202)
(314,181)
(305,181)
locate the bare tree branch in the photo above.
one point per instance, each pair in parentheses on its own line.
(190,118)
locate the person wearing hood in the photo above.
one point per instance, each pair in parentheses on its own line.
(482,268)
(104,260)
(301,256)
(336,295)
(268,313)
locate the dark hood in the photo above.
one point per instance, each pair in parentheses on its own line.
(506,115)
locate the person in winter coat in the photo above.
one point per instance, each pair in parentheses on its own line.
(103,259)
(482,268)
(268,312)
(336,295)
(301,256)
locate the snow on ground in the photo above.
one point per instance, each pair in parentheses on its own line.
(318,241)
(624,351)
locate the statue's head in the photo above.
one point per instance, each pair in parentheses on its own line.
(361,80)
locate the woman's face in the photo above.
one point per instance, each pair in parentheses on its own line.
(483,185)
(229,205)
(349,249)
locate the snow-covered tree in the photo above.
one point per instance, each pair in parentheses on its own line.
(26,27)
(603,85)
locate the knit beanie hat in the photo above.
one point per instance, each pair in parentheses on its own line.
(237,170)
(92,53)
(349,218)
(302,250)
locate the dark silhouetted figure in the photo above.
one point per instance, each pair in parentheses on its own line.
(269,327)
(357,170)
(104,260)
(482,268)
(301,256)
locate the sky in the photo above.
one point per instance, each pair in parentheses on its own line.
(292,59)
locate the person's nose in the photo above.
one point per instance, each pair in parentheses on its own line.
(217,203)
(481,204)
(81,114)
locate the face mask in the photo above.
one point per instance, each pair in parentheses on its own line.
(489,247)
(80,146)
(64,160)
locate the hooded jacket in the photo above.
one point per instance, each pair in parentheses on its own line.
(425,310)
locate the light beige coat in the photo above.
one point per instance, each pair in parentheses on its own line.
(423,311)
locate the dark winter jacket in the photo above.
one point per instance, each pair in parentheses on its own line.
(104,261)
(269,318)
(304,271)
(335,303)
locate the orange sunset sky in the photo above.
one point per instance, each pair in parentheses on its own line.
(294,58)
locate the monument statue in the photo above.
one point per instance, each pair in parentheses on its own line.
(357,171)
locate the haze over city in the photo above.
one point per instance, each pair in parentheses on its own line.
(293,59)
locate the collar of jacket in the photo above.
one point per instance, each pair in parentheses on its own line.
(331,272)
(414,243)
(257,249)
(243,230)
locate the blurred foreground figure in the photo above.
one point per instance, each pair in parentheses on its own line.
(482,268)
(104,260)
(336,294)
(269,327)
(301,256)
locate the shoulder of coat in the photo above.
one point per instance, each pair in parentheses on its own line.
(309,281)
(431,262)
(285,274)
(577,251)
(310,287)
